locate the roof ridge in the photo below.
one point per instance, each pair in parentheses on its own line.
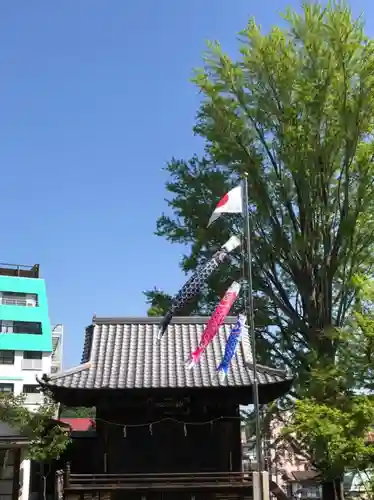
(151,320)
(71,371)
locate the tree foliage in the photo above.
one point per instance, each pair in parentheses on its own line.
(336,437)
(77,412)
(293,111)
(358,357)
(48,439)
(334,433)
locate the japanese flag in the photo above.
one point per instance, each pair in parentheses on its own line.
(231,203)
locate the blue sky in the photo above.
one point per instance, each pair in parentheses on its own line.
(95,97)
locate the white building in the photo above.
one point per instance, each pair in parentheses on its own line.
(19,369)
(29,347)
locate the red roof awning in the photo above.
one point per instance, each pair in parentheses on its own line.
(79,424)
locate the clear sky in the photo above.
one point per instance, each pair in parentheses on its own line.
(94,99)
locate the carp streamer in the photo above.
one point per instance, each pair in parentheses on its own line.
(215,321)
(194,285)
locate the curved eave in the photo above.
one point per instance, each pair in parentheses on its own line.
(90,396)
(274,391)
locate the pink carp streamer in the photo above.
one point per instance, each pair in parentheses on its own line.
(215,322)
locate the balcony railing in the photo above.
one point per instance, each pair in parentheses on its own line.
(17,301)
(19,270)
(32,364)
(56,357)
(57,330)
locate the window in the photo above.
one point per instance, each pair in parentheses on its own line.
(6,326)
(6,388)
(32,355)
(32,394)
(32,327)
(7,456)
(31,389)
(7,459)
(6,357)
(19,299)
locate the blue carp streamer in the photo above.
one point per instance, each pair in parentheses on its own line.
(231,345)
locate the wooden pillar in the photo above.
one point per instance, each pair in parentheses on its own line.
(16,472)
(67,474)
(102,440)
(224,434)
(59,485)
(230,448)
(105,450)
(236,447)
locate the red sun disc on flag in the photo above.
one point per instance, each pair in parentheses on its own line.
(223,200)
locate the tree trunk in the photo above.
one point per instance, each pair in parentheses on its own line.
(333,490)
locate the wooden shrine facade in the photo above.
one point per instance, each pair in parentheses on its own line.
(160,428)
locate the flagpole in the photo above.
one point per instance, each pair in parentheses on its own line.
(252,333)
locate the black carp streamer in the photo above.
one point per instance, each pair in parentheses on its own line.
(194,285)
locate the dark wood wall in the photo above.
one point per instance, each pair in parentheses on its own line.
(134,440)
(83,454)
(131,439)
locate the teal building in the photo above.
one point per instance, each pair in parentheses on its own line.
(24,318)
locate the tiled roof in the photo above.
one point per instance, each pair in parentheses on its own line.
(301,476)
(9,433)
(121,353)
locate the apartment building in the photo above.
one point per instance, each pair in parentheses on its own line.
(27,341)
(291,472)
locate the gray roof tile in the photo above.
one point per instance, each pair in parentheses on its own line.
(121,353)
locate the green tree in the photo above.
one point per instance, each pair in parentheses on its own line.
(334,437)
(358,337)
(294,111)
(334,432)
(48,439)
(76,412)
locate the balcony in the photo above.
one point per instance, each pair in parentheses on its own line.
(57,339)
(56,344)
(32,364)
(18,301)
(57,330)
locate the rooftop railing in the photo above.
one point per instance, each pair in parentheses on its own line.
(20,270)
